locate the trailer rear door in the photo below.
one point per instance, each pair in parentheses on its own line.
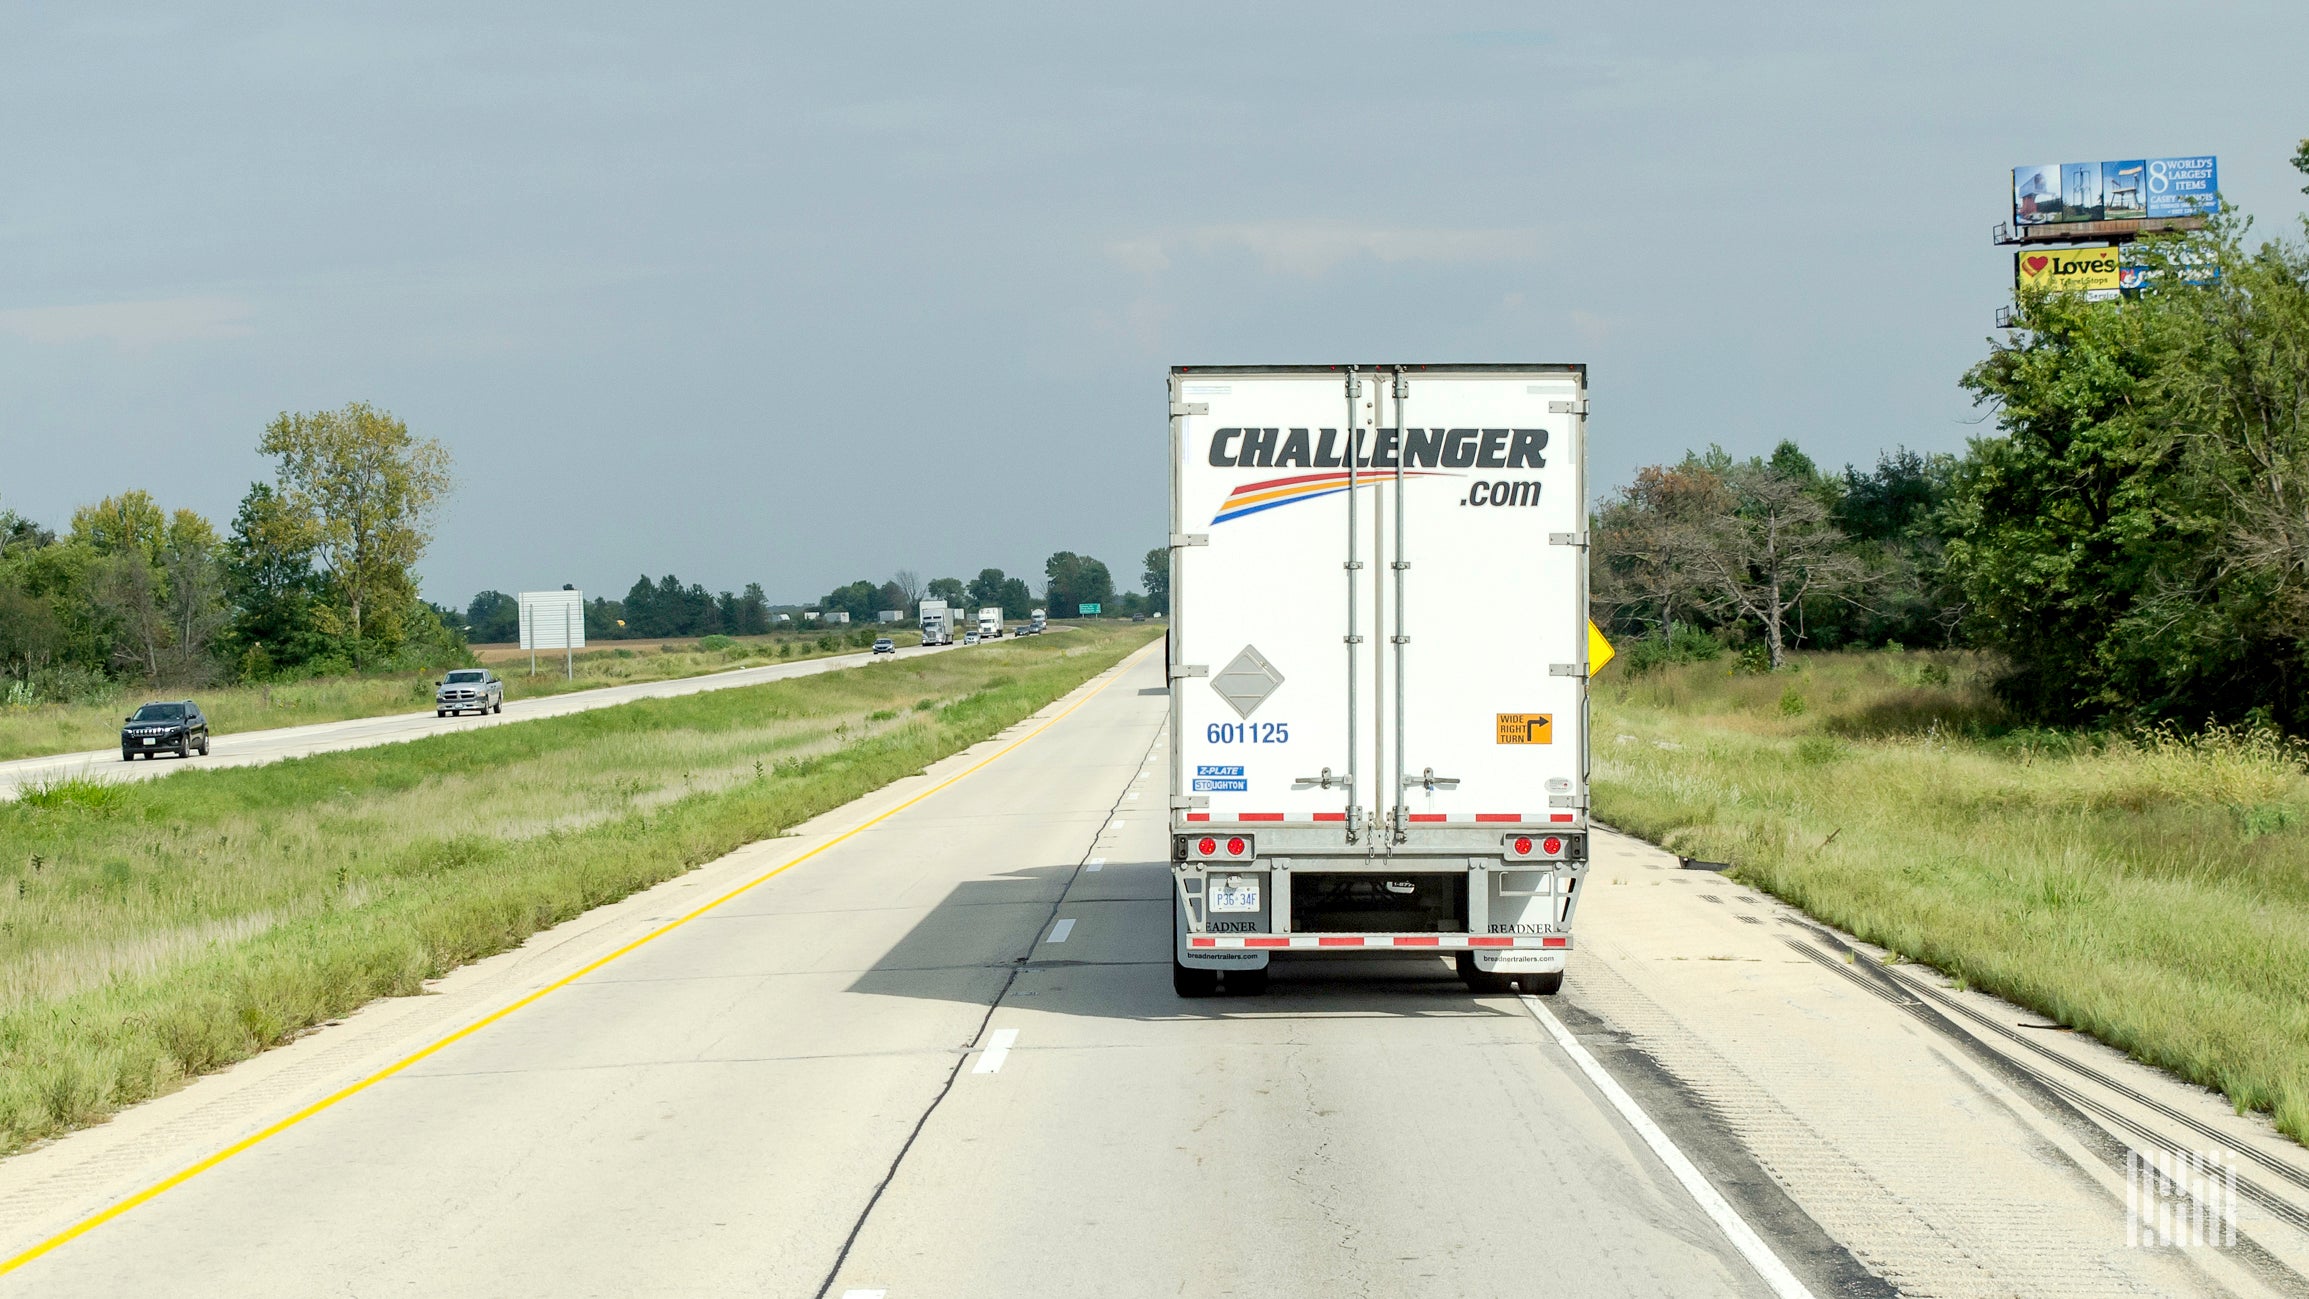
(1318,680)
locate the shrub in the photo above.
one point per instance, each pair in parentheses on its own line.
(717,643)
(1684,645)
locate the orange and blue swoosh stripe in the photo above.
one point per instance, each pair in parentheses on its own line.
(1251,498)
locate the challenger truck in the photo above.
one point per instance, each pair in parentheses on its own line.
(1378,660)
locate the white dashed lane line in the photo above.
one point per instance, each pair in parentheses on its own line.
(997,1050)
(1059,931)
(1095,863)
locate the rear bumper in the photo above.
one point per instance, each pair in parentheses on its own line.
(1378,942)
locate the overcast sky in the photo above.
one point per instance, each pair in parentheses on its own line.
(804,293)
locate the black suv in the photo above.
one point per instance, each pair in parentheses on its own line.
(177,728)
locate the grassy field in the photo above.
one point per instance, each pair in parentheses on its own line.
(2152,890)
(151,931)
(72,728)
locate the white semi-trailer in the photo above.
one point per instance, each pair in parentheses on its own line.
(1378,659)
(937,623)
(989,623)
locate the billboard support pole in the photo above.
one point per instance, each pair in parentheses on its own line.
(568,643)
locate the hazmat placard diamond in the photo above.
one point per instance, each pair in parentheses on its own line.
(1246,682)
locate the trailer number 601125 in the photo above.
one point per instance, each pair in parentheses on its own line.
(1248,733)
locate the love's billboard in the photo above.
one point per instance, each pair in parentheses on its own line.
(2069,270)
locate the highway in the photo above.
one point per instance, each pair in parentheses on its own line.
(253,748)
(926,1046)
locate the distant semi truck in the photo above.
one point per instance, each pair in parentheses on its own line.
(1039,620)
(1375,748)
(989,623)
(937,623)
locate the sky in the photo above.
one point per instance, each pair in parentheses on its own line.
(800,294)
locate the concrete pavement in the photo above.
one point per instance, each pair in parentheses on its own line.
(940,1056)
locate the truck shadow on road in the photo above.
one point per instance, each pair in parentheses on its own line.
(992,938)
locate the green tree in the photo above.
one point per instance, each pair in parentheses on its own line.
(986,588)
(493,618)
(1013,598)
(370,491)
(1157,580)
(605,619)
(1074,581)
(860,599)
(2059,524)
(270,585)
(753,612)
(949,589)
(192,567)
(124,591)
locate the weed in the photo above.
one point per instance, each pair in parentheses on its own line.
(2144,887)
(70,793)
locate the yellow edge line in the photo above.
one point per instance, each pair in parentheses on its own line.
(179,1178)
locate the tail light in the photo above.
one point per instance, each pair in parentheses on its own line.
(1207,847)
(1235,846)
(1542,847)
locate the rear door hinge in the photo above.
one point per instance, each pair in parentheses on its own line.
(1182,670)
(1556,407)
(1179,408)
(1564,800)
(1179,539)
(1565,670)
(1567,539)
(1179,801)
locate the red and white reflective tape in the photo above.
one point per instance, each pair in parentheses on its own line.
(1445,942)
(1417,818)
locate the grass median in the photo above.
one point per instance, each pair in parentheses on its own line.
(153,931)
(2152,889)
(41,729)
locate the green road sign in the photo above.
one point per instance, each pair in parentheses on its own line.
(1088,610)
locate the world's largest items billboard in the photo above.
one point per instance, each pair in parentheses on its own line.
(2135,189)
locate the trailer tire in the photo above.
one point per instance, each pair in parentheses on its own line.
(1188,981)
(1479,982)
(1247,983)
(1542,985)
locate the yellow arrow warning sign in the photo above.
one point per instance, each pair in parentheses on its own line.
(1599,650)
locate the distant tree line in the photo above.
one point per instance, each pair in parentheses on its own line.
(669,608)
(316,575)
(2132,543)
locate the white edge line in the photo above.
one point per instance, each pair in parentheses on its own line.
(1743,1237)
(1059,931)
(997,1048)
(1094,863)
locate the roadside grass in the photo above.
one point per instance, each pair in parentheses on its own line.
(42,729)
(154,931)
(2150,889)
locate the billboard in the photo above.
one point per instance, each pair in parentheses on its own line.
(2132,189)
(552,620)
(2089,271)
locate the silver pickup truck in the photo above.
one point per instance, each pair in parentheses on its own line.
(469,690)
